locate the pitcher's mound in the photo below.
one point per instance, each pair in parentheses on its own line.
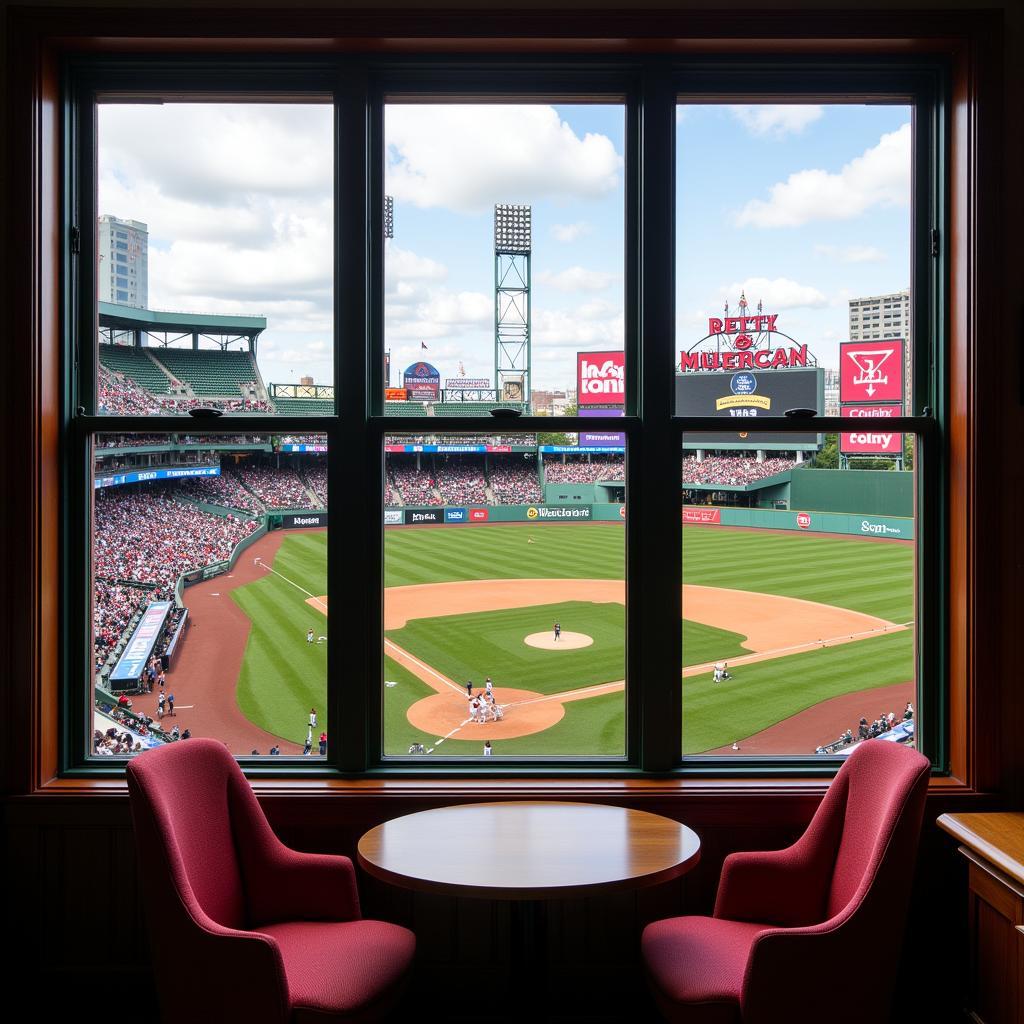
(566,642)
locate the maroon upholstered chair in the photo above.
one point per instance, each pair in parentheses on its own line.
(812,932)
(241,927)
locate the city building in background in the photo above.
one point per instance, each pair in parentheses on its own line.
(552,403)
(124,261)
(884,316)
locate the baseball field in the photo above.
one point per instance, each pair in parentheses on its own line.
(815,630)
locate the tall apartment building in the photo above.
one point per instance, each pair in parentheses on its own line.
(884,316)
(831,393)
(124,261)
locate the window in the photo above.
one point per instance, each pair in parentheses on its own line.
(367,304)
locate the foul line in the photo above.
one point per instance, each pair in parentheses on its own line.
(316,599)
(461,690)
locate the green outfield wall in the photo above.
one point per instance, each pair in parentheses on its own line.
(875,492)
(847,523)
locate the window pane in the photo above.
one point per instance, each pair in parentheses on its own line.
(798,600)
(504,258)
(214,256)
(504,609)
(209,585)
(794,252)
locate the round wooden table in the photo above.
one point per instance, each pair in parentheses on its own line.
(528,852)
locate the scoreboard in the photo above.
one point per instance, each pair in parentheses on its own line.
(738,398)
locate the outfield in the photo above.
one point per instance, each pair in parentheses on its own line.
(282,676)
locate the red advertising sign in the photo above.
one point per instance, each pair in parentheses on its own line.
(622,511)
(871,438)
(702,515)
(601,378)
(478,515)
(871,371)
(803,520)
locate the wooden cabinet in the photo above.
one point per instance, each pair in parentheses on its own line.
(993,845)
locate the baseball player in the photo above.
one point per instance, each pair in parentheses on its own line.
(489,688)
(558,630)
(469,689)
(488,751)
(309,637)
(160,702)
(312,721)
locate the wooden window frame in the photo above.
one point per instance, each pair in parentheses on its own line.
(38,43)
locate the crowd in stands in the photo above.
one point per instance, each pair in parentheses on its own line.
(176,405)
(513,480)
(147,537)
(731,470)
(391,495)
(219,490)
(304,439)
(276,487)
(129,440)
(879,727)
(120,396)
(581,469)
(114,607)
(461,480)
(316,478)
(416,486)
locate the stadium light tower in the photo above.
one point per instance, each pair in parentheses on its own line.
(512,247)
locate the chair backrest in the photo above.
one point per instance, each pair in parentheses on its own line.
(879,794)
(184,796)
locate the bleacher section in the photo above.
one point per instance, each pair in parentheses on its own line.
(472,408)
(304,406)
(404,409)
(136,364)
(209,372)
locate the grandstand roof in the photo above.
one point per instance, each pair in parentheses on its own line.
(157,321)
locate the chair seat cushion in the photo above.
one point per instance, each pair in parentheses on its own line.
(696,966)
(350,970)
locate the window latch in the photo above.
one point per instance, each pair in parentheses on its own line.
(76,240)
(935,241)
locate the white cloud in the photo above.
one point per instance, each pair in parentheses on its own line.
(594,324)
(467,157)
(402,266)
(778,293)
(570,232)
(852,253)
(576,279)
(880,176)
(775,120)
(438,314)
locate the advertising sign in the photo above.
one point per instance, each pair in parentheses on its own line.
(136,654)
(590,439)
(304,522)
(417,516)
(468,384)
(395,394)
(738,397)
(871,371)
(872,438)
(875,528)
(454,515)
(393,517)
(422,382)
(744,343)
(478,515)
(702,516)
(600,378)
(540,513)
(286,448)
(117,479)
(803,520)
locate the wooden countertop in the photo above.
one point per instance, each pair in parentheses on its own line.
(995,837)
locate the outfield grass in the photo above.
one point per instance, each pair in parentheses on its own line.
(282,676)
(876,578)
(766,692)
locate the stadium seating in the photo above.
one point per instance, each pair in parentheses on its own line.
(404,409)
(473,408)
(210,372)
(136,364)
(304,406)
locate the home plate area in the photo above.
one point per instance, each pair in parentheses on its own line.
(566,641)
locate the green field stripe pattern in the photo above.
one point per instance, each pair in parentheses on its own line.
(282,676)
(874,578)
(558,551)
(766,692)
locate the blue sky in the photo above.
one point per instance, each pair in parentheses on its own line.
(805,206)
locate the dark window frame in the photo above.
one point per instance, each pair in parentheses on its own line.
(651,86)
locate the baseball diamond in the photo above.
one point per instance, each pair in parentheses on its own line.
(805,650)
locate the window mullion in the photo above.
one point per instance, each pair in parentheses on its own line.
(654,539)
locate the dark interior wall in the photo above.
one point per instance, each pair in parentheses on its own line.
(69,861)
